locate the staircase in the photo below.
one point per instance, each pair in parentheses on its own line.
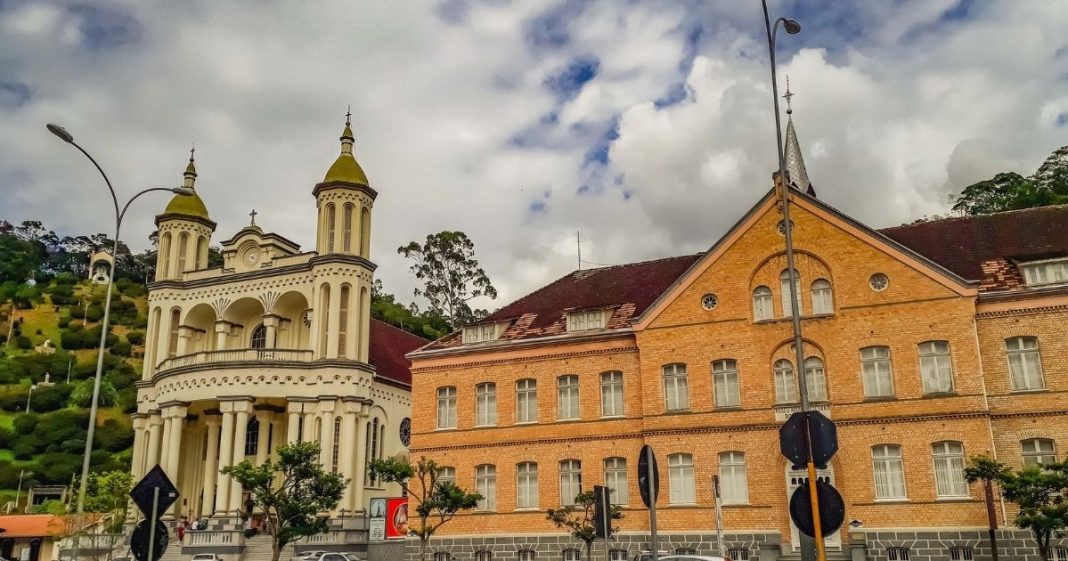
(258,548)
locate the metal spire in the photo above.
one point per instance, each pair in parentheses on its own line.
(795,163)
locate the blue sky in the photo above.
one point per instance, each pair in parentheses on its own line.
(647,125)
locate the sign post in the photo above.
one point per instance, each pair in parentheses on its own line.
(153,495)
(649,485)
(719,518)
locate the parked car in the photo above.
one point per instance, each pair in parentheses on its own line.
(665,556)
(206,557)
(353,557)
(308,555)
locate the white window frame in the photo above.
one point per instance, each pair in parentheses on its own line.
(570,481)
(1058,553)
(822,297)
(1025,363)
(615,478)
(726,389)
(526,401)
(612,404)
(571,554)
(526,486)
(482,332)
(617,555)
(567,397)
(738,554)
(948,459)
(441,556)
(763,304)
(446,407)
(587,320)
(877,371)
(816,379)
(676,387)
(733,479)
(785,382)
(1047,271)
(486,404)
(936,367)
(888,465)
(486,485)
(484,555)
(784,285)
(681,482)
(446,474)
(1035,452)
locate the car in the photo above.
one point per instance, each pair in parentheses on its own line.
(646,556)
(206,557)
(309,555)
(354,557)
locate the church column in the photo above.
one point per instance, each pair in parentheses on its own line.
(349,443)
(365,323)
(361,457)
(173,440)
(308,431)
(163,338)
(333,320)
(265,418)
(226,452)
(137,467)
(241,411)
(294,408)
(185,333)
(211,467)
(326,439)
(270,325)
(155,428)
(222,333)
(316,315)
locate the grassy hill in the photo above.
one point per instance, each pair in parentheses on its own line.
(47,442)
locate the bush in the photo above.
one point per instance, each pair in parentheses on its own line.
(136,338)
(25,423)
(14,399)
(63,321)
(121,348)
(114,436)
(24,450)
(9,475)
(94,313)
(23,342)
(65,278)
(50,398)
(6,435)
(56,468)
(82,396)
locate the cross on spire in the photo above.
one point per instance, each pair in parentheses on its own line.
(788,95)
(192,150)
(253,215)
(348,116)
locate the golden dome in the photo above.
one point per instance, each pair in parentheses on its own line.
(190,205)
(346,168)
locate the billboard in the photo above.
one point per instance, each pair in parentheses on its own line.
(396,518)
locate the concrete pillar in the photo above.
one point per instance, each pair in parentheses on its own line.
(310,414)
(241,411)
(173,441)
(361,457)
(211,468)
(222,334)
(226,452)
(155,428)
(294,410)
(365,324)
(270,324)
(185,334)
(262,445)
(326,453)
(165,447)
(137,467)
(333,320)
(349,442)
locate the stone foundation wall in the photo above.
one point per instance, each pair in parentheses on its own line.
(936,545)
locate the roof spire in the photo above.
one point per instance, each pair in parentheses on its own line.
(788,96)
(191,169)
(345,167)
(795,164)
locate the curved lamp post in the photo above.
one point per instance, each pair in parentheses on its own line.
(119,214)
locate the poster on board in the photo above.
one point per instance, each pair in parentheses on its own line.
(396,518)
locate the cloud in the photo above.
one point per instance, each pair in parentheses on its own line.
(646,124)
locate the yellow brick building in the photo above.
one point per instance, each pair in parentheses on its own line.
(927,344)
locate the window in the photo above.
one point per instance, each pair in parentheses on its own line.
(889,471)
(815,379)
(572,555)
(1038,451)
(949,469)
(567,397)
(343,322)
(709,302)
(787,294)
(725,383)
(612,394)
(1045,272)
(526,401)
(680,479)
(330,226)
(486,485)
(733,485)
(183,241)
(763,304)
(324,304)
(481,333)
(685,551)
(441,556)
(570,481)
(615,478)
(617,555)
(373,449)
(897,554)
(1058,554)
(447,474)
(172,347)
(960,553)
(738,554)
(526,555)
(879,282)
(259,337)
(484,556)
(822,297)
(581,321)
(1025,363)
(165,252)
(526,485)
(447,407)
(676,393)
(785,387)
(336,452)
(252,437)
(875,370)
(486,404)
(346,242)
(936,368)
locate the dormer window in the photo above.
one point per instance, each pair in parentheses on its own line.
(1049,271)
(582,321)
(483,332)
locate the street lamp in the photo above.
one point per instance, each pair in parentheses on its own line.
(18,493)
(30,395)
(119,214)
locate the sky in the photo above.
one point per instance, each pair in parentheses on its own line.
(646,125)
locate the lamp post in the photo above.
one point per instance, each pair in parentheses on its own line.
(30,396)
(18,493)
(119,214)
(792,27)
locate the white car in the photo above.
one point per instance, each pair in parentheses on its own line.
(308,555)
(679,557)
(206,557)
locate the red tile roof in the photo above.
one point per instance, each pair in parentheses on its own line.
(963,245)
(388,345)
(30,525)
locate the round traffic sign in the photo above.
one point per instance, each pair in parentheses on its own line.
(832,509)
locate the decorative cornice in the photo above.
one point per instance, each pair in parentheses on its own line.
(1023,311)
(309,265)
(178,216)
(547,356)
(247,364)
(326,185)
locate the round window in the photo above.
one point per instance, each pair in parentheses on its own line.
(709,301)
(406,431)
(879,282)
(782,227)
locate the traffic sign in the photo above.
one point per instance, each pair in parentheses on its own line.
(645,471)
(832,509)
(143,491)
(794,442)
(140,538)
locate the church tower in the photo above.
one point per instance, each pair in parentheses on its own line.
(184,231)
(344,199)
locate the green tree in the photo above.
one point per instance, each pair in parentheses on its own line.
(292,491)
(579,519)
(108,493)
(1039,492)
(451,276)
(82,396)
(436,501)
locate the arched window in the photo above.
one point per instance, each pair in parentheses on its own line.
(343,323)
(373,451)
(1025,363)
(336,452)
(567,393)
(889,471)
(164,255)
(787,293)
(486,404)
(259,337)
(252,437)
(676,387)
(365,232)
(725,388)
(822,297)
(172,345)
(612,394)
(936,368)
(785,386)
(763,305)
(183,246)
(330,227)
(1038,451)
(875,369)
(447,407)
(486,485)
(734,485)
(526,401)
(572,554)
(815,379)
(202,252)
(681,480)
(570,481)
(615,478)
(346,242)
(526,485)
(323,317)
(152,348)
(949,469)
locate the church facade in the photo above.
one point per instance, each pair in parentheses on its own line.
(927,344)
(274,346)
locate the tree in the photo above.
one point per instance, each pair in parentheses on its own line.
(989,471)
(579,518)
(82,396)
(108,493)
(451,276)
(291,491)
(436,501)
(1039,492)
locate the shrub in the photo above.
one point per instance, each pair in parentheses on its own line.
(121,347)
(94,313)
(136,337)
(24,451)
(6,435)
(25,423)
(14,400)
(63,321)
(23,342)
(50,398)
(114,436)
(56,468)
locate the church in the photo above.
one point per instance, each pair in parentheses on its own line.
(274,346)
(927,344)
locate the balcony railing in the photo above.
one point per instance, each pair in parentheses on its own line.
(236,355)
(206,538)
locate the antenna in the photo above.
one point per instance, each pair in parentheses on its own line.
(578,239)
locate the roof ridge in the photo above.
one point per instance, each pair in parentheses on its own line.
(977,216)
(395,328)
(646,262)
